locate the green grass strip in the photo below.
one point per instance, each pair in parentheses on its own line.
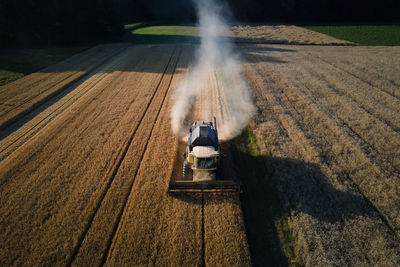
(270,239)
(179,30)
(368,35)
(162,33)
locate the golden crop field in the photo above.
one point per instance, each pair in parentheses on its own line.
(87,152)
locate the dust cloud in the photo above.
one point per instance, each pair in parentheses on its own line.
(216,61)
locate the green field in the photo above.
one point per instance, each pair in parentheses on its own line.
(156,33)
(362,34)
(16,63)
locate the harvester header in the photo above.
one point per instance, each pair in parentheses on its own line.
(202,167)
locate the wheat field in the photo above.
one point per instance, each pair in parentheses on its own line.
(87,152)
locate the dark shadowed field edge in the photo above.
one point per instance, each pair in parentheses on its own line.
(270,240)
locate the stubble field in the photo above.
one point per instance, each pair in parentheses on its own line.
(329,118)
(83,177)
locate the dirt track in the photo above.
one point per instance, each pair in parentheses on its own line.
(83,180)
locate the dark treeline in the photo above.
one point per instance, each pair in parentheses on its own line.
(269,10)
(316,10)
(46,22)
(38,22)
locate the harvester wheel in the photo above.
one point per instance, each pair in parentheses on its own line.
(187,171)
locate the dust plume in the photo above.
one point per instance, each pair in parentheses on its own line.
(216,76)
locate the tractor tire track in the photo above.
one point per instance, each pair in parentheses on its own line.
(67,188)
(153,106)
(155,227)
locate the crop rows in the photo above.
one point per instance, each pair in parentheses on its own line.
(87,153)
(23,95)
(87,185)
(332,150)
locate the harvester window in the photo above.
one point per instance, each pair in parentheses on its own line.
(205,163)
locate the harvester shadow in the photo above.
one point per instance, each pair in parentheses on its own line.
(276,187)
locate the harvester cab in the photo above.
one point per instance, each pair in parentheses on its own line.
(202,166)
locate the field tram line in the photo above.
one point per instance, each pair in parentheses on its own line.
(372,154)
(385,220)
(37,127)
(378,212)
(396,68)
(121,156)
(380,159)
(365,145)
(103,88)
(56,92)
(119,217)
(353,98)
(99,93)
(357,76)
(389,96)
(221,106)
(340,218)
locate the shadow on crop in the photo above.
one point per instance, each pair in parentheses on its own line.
(150,53)
(273,188)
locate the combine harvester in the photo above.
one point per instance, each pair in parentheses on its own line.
(202,167)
